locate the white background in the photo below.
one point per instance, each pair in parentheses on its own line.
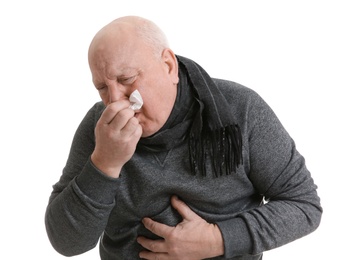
(293,53)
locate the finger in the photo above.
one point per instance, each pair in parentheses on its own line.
(138,131)
(155,256)
(131,126)
(112,110)
(182,208)
(121,119)
(132,131)
(157,228)
(156,246)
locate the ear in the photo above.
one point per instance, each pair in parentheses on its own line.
(170,61)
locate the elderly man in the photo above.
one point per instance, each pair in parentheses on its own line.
(204,169)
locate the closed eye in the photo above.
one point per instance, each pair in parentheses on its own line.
(101,88)
(127,80)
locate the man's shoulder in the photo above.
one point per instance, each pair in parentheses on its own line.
(234,90)
(95,111)
(98,107)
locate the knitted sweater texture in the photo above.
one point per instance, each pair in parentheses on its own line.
(85,205)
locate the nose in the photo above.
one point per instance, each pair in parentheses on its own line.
(115,93)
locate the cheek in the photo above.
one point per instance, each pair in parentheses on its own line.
(151,111)
(155,115)
(155,105)
(158,96)
(151,118)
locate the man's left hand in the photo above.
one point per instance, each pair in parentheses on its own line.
(193,238)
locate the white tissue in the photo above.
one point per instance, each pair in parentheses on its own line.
(135,100)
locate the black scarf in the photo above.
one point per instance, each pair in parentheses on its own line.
(200,114)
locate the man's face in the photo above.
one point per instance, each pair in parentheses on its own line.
(121,66)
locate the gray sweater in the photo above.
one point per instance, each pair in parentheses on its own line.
(86,205)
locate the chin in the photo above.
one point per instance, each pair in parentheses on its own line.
(149,131)
(146,133)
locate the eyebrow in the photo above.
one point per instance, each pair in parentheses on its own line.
(126,71)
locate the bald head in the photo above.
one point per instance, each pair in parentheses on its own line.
(129,29)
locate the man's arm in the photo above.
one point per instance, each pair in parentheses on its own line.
(83,199)
(278,172)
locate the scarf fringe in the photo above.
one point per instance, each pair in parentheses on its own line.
(223,146)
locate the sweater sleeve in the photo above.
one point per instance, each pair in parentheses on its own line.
(80,203)
(278,172)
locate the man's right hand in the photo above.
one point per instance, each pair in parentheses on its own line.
(116,135)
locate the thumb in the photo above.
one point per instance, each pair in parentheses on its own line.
(182,208)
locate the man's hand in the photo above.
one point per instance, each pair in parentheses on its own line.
(116,135)
(191,239)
